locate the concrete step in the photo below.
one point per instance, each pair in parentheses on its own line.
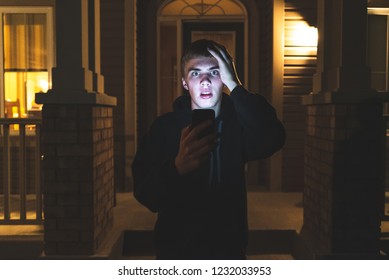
(249,257)
(262,244)
(20,249)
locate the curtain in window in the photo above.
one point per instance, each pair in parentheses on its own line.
(25,62)
(25,42)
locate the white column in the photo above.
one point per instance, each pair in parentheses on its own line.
(98,79)
(342,72)
(73,82)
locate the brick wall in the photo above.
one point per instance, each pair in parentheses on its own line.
(343,177)
(318,159)
(77,144)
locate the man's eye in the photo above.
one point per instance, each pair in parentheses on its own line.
(215,72)
(195,74)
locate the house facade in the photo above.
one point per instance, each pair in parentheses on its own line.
(98,72)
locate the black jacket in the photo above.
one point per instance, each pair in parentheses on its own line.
(203,215)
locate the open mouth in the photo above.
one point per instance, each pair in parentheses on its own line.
(206,95)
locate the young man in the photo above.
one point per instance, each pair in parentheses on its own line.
(197,184)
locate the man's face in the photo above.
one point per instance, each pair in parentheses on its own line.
(202,80)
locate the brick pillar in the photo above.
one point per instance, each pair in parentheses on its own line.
(343,179)
(77,137)
(77,145)
(344,149)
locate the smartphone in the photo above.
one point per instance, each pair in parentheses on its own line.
(202,115)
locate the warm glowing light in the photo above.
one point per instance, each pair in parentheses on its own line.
(15,112)
(378,11)
(304,35)
(43,85)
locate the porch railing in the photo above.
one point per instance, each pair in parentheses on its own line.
(20,171)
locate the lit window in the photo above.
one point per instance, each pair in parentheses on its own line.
(26,62)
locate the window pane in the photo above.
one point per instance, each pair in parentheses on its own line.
(20,89)
(25,63)
(36,82)
(14,92)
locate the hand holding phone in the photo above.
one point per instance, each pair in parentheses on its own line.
(196,141)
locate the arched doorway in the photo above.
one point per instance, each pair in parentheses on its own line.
(163,22)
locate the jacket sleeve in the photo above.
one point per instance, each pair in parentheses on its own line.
(154,173)
(265,134)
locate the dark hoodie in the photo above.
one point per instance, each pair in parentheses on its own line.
(203,215)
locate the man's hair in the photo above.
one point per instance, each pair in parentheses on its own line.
(197,49)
